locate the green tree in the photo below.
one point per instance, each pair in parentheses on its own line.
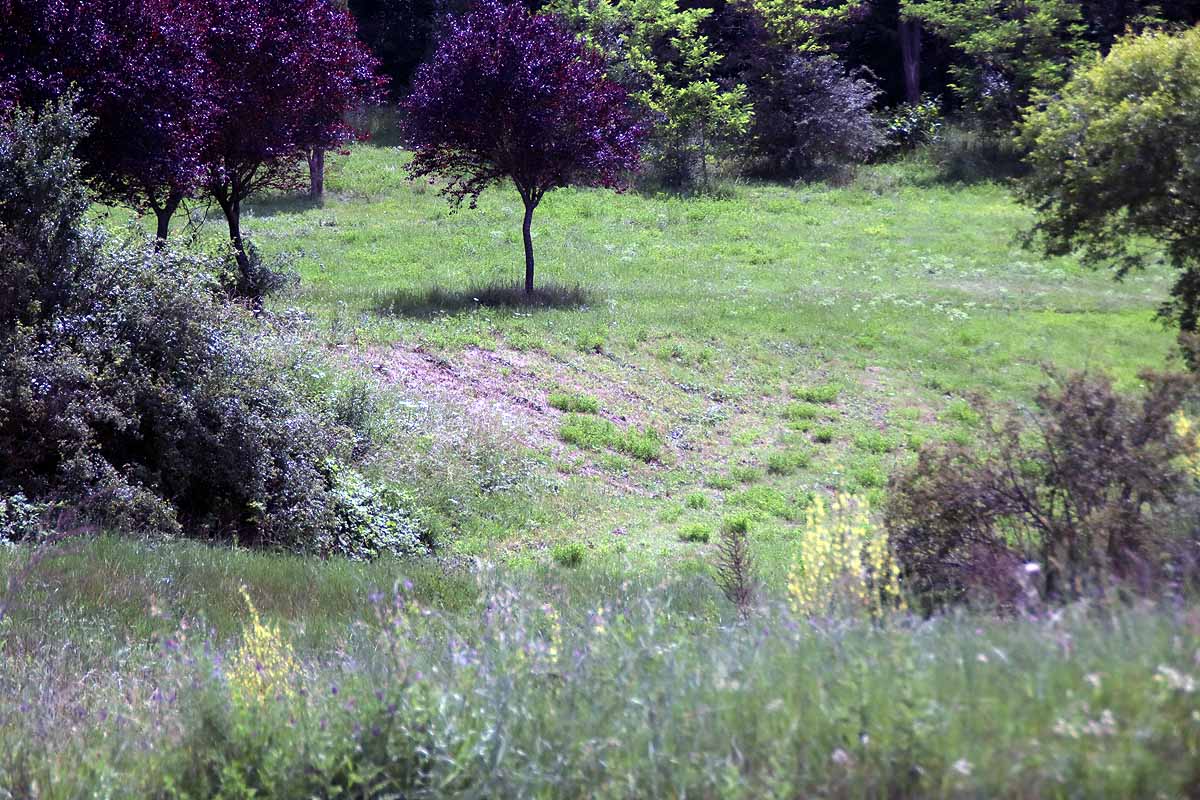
(801,25)
(658,51)
(1115,163)
(1013,50)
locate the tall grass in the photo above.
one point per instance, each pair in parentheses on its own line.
(570,685)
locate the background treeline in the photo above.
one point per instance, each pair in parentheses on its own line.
(779,89)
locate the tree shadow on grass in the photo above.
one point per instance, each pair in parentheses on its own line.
(435,301)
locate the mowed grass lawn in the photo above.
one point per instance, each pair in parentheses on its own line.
(721,355)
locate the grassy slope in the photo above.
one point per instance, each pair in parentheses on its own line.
(703,317)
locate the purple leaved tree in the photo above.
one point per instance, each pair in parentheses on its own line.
(138,69)
(284,74)
(512,96)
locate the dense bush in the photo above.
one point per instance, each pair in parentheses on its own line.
(131,389)
(815,111)
(911,125)
(1082,494)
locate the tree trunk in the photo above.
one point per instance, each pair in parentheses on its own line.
(530,205)
(232,207)
(910,52)
(163,215)
(316,173)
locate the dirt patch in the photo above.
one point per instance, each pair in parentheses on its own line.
(507,387)
(509,390)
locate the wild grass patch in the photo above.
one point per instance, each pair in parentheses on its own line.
(574,403)
(594,433)
(818,393)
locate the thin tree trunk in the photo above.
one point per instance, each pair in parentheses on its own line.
(910,51)
(232,207)
(530,205)
(316,173)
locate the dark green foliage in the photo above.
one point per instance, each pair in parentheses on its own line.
(1012,50)
(131,389)
(1085,492)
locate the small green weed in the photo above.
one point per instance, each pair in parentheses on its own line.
(874,442)
(765,501)
(745,473)
(695,532)
(960,410)
(823,434)
(720,482)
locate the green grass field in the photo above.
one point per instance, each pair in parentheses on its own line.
(689,363)
(759,346)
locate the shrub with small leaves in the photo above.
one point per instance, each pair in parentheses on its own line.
(131,389)
(912,125)
(1085,492)
(568,554)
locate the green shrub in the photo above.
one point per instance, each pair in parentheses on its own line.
(696,501)
(745,473)
(131,389)
(823,434)
(960,410)
(590,342)
(574,403)
(911,125)
(721,482)
(22,519)
(868,476)
(738,524)
(568,554)
(1113,157)
(696,533)
(763,501)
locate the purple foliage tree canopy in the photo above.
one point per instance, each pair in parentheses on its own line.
(284,74)
(138,68)
(513,96)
